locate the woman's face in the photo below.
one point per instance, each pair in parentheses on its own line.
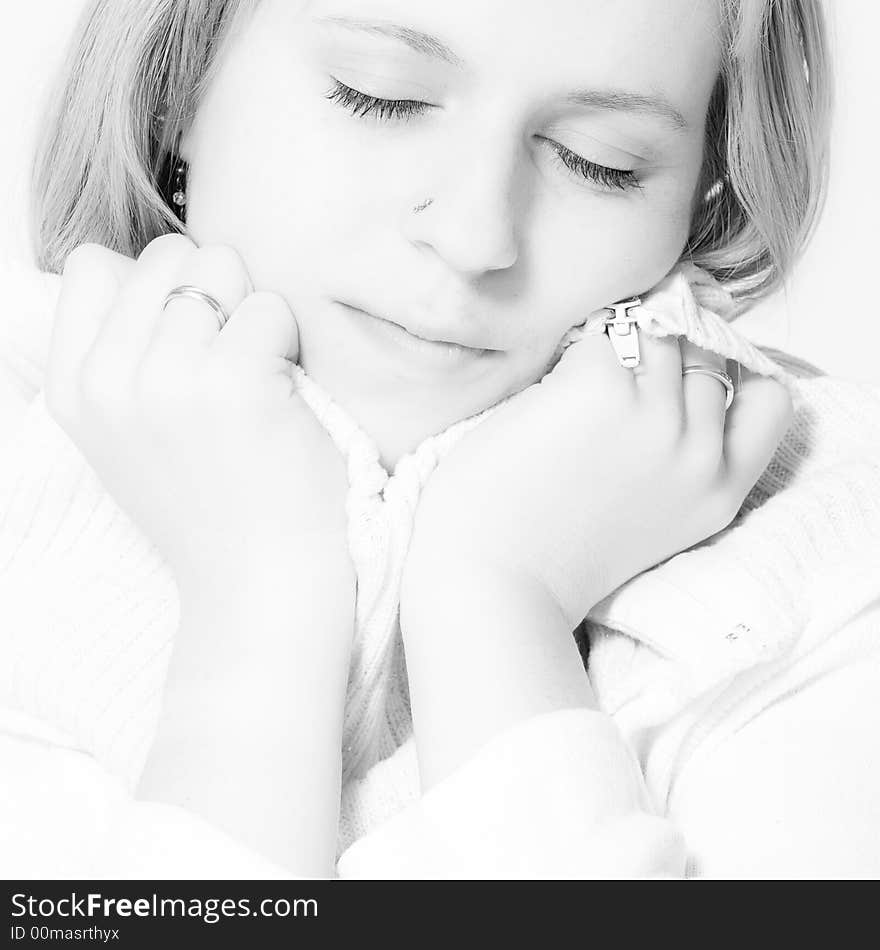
(561,143)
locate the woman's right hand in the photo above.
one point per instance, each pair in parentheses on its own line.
(609,471)
(197,432)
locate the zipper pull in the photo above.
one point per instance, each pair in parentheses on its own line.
(623,332)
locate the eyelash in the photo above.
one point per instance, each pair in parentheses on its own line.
(622,179)
(362,105)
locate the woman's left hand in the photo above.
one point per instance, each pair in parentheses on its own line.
(595,474)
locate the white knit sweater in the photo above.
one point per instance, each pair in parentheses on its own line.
(684,658)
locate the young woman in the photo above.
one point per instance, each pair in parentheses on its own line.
(399,499)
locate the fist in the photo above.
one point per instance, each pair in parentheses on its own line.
(196,431)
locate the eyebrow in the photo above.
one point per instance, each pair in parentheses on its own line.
(617,100)
(611,100)
(422,43)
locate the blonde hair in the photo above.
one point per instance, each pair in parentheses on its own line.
(136,70)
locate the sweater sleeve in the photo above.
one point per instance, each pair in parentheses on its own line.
(62,815)
(793,793)
(774,776)
(791,787)
(558,796)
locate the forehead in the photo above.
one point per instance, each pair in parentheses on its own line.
(667,47)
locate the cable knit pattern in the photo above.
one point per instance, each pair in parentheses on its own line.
(381,511)
(94,608)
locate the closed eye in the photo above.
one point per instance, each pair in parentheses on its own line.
(363,105)
(621,178)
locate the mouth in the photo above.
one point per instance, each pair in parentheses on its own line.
(422,344)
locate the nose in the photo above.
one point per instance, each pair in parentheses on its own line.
(471,221)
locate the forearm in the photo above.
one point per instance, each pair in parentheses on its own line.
(482,655)
(251,727)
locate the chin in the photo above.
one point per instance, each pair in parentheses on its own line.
(399,417)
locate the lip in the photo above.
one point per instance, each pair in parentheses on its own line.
(411,343)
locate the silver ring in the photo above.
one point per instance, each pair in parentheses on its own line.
(187,290)
(718,374)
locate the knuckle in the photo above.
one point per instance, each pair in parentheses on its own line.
(777,409)
(90,256)
(270,302)
(227,261)
(82,256)
(91,269)
(167,245)
(783,405)
(264,313)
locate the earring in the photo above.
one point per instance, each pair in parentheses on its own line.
(423,205)
(714,191)
(178,196)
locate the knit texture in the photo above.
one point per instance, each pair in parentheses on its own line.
(90,609)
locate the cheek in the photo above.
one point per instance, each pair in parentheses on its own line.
(609,248)
(274,226)
(273,177)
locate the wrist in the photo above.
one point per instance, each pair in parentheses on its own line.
(449,580)
(466,594)
(551,587)
(262,557)
(251,725)
(265,616)
(522,661)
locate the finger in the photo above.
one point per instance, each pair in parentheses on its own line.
(592,359)
(263,326)
(657,378)
(91,281)
(758,418)
(132,321)
(658,375)
(186,325)
(704,396)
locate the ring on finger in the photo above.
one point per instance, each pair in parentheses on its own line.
(196,293)
(623,332)
(718,374)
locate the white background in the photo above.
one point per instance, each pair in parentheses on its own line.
(829,314)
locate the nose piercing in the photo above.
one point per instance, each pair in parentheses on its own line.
(423,205)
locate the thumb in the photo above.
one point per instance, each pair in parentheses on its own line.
(262,326)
